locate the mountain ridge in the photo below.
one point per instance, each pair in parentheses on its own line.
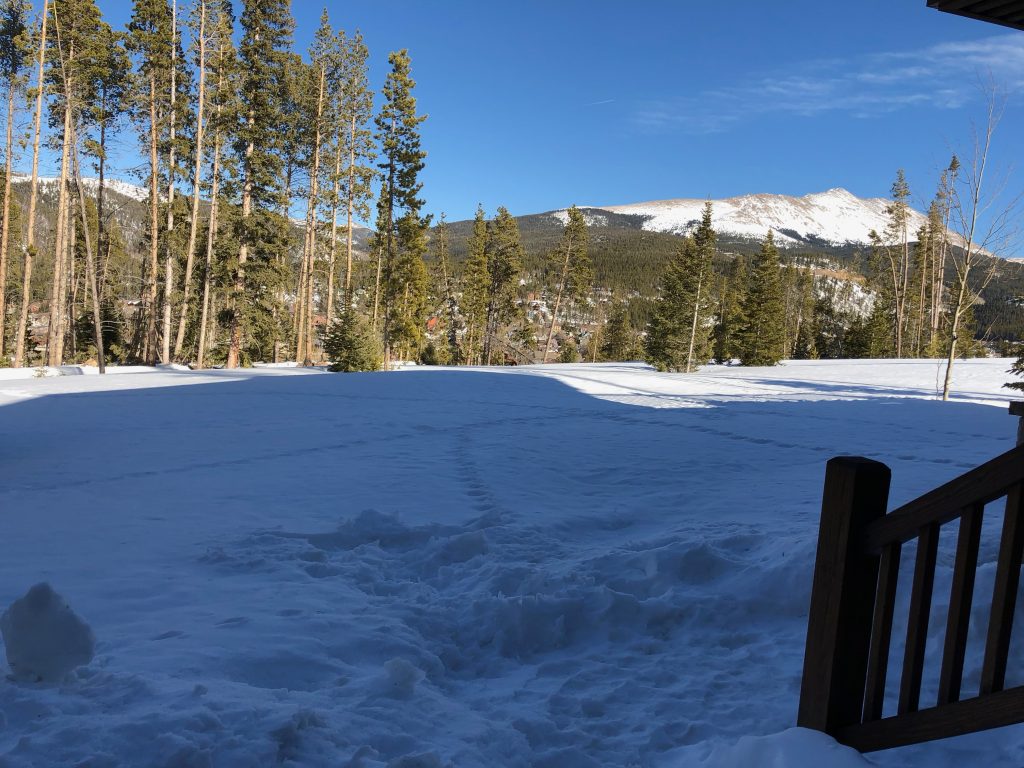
(835,217)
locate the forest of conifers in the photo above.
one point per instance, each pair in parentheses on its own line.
(259,165)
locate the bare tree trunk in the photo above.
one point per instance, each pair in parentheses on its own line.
(304,354)
(211,237)
(558,298)
(55,335)
(238,287)
(165,342)
(376,288)
(211,233)
(332,269)
(150,341)
(351,201)
(5,219)
(90,265)
(179,340)
(30,242)
(693,327)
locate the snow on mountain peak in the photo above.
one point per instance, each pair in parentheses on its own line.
(835,216)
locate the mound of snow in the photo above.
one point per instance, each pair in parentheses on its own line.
(43,637)
(794,748)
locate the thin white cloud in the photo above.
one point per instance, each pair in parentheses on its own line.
(941,76)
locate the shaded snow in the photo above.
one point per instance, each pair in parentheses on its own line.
(579,565)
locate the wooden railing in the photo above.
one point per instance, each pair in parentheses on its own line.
(853,599)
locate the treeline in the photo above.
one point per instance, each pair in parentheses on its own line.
(235,138)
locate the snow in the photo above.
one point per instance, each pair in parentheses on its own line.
(563,565)
(836,216)
(91,183)
(43,638)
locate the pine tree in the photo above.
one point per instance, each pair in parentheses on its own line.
(150,41)
(200,35)
(355,140)
(667,345)
(679,334)
(504,264)
(699,352)
(350,344)
(401,231)
(322,76)
(571,268)
(446,292)
(620,340)
(223,72)
(475,281)
(730,313)
(266,37)
(763,337)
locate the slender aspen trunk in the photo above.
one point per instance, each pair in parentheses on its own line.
(179,340)
(211,233)
(165,341)
(90,264)
(149,343)
(238,287)
(101,231)
(5,219)
(558,298)
(376,289)
(30,241)
(334,232)
(693,327)
(55,335)
(211,237)
(351,201)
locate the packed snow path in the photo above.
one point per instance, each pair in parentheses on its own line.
(558,566)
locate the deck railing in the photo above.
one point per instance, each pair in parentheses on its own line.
(853,600)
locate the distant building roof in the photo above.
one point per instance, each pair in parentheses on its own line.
(1008,13)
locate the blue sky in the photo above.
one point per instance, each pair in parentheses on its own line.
(537,105)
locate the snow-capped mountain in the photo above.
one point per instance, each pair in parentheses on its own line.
(835,217)
(133,191)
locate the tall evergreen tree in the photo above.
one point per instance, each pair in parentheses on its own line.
(266,37)
(679,334)
(401,230)
(620,339)
(150,41)
(570,267)
(763,338)
(446,291)
(355,140)
(222,97)
(475,282)
(504,264)
(730,312)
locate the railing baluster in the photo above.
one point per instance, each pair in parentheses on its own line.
(845,578)
(881,631)
(961,597)
(1004,595)
(917,625)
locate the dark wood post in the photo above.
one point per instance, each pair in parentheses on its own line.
(1017,409)
(843,595)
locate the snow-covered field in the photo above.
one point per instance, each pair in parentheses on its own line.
(561,566)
